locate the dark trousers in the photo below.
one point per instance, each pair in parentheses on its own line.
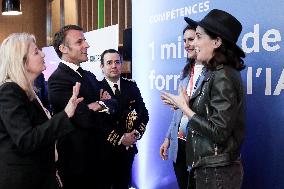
(223,177)
(86,182)
(121,169)
(180,166)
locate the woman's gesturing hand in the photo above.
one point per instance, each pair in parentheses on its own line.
(73,101)
(180,101)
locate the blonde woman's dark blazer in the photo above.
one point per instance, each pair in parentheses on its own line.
(27,140)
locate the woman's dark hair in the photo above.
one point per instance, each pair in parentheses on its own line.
(190,61)
(226,54)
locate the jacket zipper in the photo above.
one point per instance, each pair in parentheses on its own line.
(215,145)
(192,132)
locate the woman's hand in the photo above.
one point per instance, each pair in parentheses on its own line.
(164,149)
(176,101)
(180,101)
(73,101)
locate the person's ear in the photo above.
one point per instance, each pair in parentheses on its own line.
(217,42)
(102,66)
(63,49)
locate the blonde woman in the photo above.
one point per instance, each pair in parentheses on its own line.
(27,135)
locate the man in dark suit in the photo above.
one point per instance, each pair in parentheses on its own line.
(130,122)
(80,152)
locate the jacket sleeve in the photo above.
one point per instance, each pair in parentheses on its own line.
(14,112)
(172,125)
(60,90)
(183,83)
(221,110)
(142,112)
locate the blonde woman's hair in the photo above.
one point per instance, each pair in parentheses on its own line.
(14,54)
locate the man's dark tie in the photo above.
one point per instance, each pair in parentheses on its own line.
(81,71)
(116,91)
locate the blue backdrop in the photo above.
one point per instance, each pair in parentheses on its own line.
(158,58)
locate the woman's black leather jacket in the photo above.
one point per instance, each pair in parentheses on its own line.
(216,131)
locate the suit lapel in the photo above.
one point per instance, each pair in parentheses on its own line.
(125,93)
(107,87)
(185,82)
(122,86)
(179,115)
(123,89)
(90,86)
(199,89)
(70,72)
(39,107)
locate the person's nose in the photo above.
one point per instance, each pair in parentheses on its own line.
(113,65)
(186,44)
(42,54)
(87,44)
(194,42)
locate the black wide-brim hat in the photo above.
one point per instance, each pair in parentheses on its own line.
(191,22)
(223,25)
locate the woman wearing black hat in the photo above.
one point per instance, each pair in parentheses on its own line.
(216,109)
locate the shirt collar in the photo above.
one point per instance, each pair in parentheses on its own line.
(110,83)
(72,66)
